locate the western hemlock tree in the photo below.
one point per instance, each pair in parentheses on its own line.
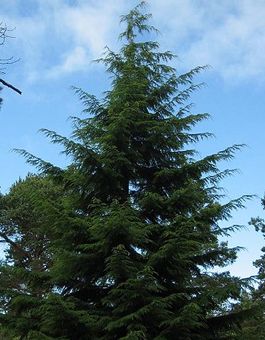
(135,258)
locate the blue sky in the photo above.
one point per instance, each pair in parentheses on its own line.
(56,40)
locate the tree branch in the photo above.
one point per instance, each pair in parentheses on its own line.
(14,245)
(11,86)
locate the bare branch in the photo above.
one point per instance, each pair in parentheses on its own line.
(11,86)
(4,34)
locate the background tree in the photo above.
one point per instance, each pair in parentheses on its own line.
(255,328)
(25,229)
(134,258)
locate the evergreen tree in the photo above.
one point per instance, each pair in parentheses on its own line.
(134,259)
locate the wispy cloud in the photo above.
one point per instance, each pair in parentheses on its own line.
(54,38)
(229,35)
(73,61)
(59,37)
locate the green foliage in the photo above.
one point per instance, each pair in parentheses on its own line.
(255,327)
(26,213)
(134,240)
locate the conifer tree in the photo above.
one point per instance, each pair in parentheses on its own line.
(134,259)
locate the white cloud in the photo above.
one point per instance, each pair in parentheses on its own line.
(229,35)
(90,26)
(76,60)
(56,38)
